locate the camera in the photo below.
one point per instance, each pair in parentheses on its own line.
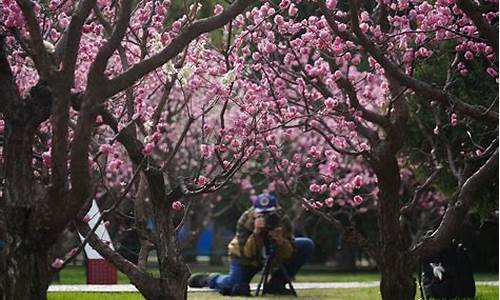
(272,220)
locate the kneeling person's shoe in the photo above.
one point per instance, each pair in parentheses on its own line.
(241,290)
(199,280)
(277,289)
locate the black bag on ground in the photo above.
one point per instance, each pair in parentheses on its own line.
(448,275)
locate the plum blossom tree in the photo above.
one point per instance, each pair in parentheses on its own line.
(349,74)
(100,98)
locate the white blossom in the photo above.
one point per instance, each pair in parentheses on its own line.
(49,46)
(169,68)
(228,78)
(156,44)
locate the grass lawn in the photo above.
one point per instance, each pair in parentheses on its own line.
(76,275)
(483,293)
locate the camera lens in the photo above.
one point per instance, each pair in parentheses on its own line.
(272,221)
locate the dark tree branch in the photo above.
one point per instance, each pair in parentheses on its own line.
(368,115)
(141,279)
(191,32)
(41,56)
(98,67)
(457,210)
(342,230)
(163,100)
(423,89)
(474,12)
(9,94)
(172,153)
(408,209)
(70,42)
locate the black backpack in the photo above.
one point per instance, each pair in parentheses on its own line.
(448,275)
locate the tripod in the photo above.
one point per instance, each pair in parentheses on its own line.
(271,254)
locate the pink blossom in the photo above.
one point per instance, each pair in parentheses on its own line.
(492,72)
(206,150)
(279,20)
(331,4)
(453,119)
(284,3)
(329,201)
(106,149)
(235,144)
(148,148)
(357,200)
(342,27)
(330,103)
(364,27)
(218,9)
(358,181)
(292,10)
(57,263)
(47,159)
(72,252)
(468,55)
(315,188)
(202,180)
(177,205)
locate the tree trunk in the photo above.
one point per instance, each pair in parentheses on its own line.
(174,272)
(345,258)
(397,281)
(396,266)
(218,246)
(26,274)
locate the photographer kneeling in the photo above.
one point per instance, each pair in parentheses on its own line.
(262,226)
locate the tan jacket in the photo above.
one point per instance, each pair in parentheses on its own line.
(248,248)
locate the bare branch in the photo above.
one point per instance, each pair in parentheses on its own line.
(456,211)
(171,155)
(71,40)
(407,209)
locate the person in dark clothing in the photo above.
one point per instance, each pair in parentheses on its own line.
(448,275)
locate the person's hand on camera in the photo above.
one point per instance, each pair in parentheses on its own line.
(259,224)
(277,235)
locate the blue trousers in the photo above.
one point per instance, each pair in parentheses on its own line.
(240,274)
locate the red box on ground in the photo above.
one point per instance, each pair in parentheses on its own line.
(100,271)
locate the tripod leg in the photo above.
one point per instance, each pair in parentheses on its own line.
(258,286)
(263,278)
(287,278)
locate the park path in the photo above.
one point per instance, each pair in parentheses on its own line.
(297,285)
